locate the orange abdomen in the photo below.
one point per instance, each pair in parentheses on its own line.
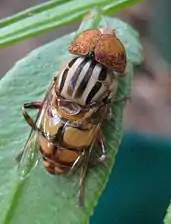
(61,143)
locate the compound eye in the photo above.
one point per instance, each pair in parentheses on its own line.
(110,52)
(85,43)
(106,48)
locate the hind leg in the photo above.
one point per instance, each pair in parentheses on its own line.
(102,151)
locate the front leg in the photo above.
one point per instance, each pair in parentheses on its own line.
(32,105)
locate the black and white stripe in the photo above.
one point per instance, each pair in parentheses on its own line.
(85,81)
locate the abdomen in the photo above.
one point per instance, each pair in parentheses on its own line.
(61,144)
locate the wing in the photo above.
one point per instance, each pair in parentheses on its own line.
(89,154)
(29,156)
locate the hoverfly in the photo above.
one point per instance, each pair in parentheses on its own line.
(69,121)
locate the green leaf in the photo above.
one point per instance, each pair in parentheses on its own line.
(167,219)
(42,198)
(51,15)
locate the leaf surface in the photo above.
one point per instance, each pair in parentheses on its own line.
(167,218)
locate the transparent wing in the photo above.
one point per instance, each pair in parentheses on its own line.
(87,156)
(28,158)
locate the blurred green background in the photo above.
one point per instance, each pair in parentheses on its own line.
(139,188)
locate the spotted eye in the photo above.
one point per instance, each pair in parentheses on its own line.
(84,43)
(106,47)
(110,52)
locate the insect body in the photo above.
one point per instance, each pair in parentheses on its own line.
(68,126)
(67,131)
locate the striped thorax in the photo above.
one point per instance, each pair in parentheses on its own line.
(84,81)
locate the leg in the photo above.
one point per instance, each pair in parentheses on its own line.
(32,105)
(103,155)
(103,152)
